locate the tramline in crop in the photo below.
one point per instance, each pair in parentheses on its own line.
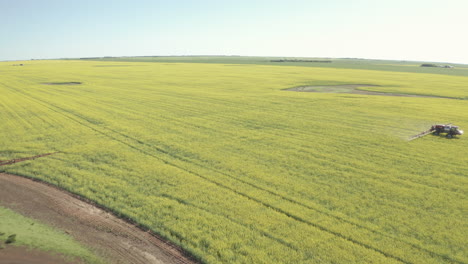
(221,160)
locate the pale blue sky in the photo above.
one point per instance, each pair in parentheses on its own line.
(427,30)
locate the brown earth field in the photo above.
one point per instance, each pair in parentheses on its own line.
(22,255)
(114,239)
(352,89)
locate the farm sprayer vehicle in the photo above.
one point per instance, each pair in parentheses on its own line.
(448,129)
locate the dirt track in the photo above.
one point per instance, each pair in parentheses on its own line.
(21,255)
(110,237)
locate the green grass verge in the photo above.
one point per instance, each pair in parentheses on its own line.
(30,233)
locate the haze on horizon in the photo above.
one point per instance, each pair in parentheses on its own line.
(416,30)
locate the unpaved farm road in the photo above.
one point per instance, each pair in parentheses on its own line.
(112,238)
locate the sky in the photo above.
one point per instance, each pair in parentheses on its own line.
(419,30)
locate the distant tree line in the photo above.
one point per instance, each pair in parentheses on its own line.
(435,65)
(284,60)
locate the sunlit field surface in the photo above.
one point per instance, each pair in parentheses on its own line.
(219,159)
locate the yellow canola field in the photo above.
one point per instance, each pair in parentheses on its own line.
(220,160)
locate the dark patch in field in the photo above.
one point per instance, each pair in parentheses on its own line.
(113,65)
(352,89)
(62,83)
(353,97)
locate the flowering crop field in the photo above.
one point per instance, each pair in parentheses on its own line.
(219,159)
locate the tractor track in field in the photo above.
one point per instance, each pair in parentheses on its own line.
(140,146)
(112,238)
(9,162)
(293,216)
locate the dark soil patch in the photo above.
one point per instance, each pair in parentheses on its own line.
(20,255)
(342,88)
(352,89)
(62,83)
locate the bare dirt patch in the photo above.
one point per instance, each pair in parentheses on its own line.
(62,83)
(21,255)
(352,89)
(110,237)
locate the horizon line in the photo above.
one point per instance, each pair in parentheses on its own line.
(248,56)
